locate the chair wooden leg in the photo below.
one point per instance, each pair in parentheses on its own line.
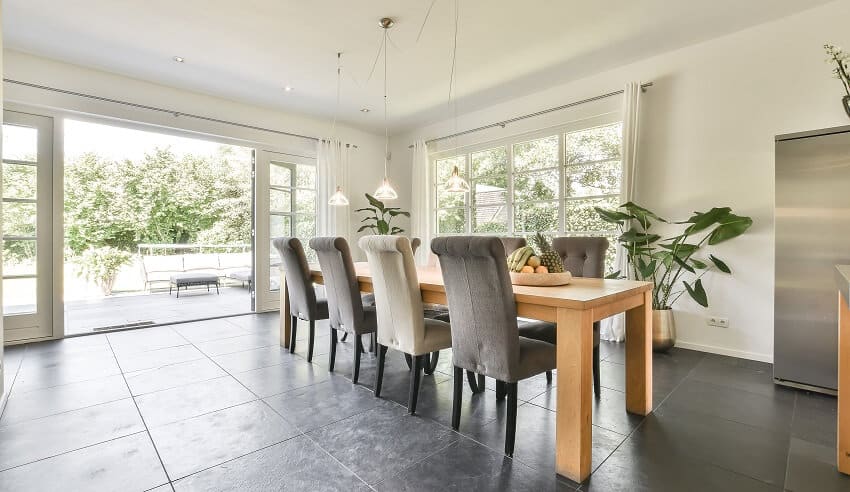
(549,378)
(292,334)
(358,347)
(501,390)
(457,397)
(311,340)
(431,361)
(597,385)
(414,383)
(332,355)
(510,431)
(379,377)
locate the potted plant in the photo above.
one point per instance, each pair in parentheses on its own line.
(840,59)
(101,265)
(380,217)
(675,265)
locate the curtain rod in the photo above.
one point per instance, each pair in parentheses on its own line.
(504,123)
(163,110)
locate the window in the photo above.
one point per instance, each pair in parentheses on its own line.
(548,182)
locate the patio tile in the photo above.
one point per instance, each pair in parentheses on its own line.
(201,442)
(172,376)
(175,404)
(50,401)
(158,358)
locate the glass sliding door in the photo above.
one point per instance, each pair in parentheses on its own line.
(27,198)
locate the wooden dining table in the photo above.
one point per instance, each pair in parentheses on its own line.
(574,308)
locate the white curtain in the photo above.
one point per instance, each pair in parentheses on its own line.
(420,205)
(333,159)
(614,328)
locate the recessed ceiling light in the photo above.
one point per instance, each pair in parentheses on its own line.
(364,110)
(289,88)
(179,59)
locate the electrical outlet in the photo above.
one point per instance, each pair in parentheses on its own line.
(717,321)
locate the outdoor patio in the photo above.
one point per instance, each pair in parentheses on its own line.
(144,309)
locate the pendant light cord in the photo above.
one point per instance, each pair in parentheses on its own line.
(338,76)
(386,127)
(452,81)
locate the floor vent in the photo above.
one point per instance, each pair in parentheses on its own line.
(136,324)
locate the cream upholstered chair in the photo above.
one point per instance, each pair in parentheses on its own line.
(402,324)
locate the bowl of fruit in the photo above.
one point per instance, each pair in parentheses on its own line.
(545,269)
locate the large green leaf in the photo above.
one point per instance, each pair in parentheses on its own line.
(637,236)
(681,249)
(698,264)
(613,276)
(641,214)
(682,264)
(394,213)
(701,221)
(697,292)
(647,269)
(383,227)
(612,216)
(375,202)
(730,227)
(722,266)
(363,228)
(367,210)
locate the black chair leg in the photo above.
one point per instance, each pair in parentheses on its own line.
(476,383)
(456,397)
(481,386)
(344,336)
(293,329)
(414,383)
(360,344)
(501,390)
(310,341)
(597,385)
(549,377)
(431,361)
(409,360)
(332,355)
(373,343)
(358,347)
(510,431)
(379,377)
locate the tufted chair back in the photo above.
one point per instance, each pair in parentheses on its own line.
(345,308)
(582,256)
(512,244)
(302,295)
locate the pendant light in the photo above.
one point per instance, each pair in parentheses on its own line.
(386,191)
(455,184)
(338,199)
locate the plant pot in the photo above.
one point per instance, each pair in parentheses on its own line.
(663,330)
(846,103)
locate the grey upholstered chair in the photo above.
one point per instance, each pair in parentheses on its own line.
(345,308)
(485,338)
(512,244)
(583,257)
(303,303)
(402,324)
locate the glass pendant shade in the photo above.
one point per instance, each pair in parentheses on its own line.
(456,184)
(386,191)
(338,199)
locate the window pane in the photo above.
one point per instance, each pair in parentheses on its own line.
(279,226)
(600,178)
(581,217)
(20,143)
(305,202)
(540,185)
(280,175)
(305,227)
(305,177)
(445,167)
(451,221)
(593,144)
(19,296)
(490,219)
(536,154)
(280,201)
(489,162)
(489,190)
(19,181)
(536,217)
(19,257)
(449,199)
(19,219)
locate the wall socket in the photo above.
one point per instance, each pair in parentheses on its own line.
(717,321)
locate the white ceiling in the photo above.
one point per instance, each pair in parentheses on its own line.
(248,50)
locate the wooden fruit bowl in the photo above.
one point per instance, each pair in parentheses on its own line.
(541,279)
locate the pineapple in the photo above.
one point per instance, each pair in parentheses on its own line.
(548,258)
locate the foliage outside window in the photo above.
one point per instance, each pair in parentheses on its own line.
(550,184)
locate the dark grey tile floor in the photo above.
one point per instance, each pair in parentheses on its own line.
(218,405)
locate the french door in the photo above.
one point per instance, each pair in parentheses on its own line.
(27,202)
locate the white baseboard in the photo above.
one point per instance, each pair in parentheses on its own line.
(741,354)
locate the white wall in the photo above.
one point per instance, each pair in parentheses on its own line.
(367,160)
(708,128)
(2,365)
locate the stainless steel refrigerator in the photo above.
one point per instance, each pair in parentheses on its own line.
(812,236)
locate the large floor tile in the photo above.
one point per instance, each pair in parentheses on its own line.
(612,375)
(37,372)
(263,322)
(126,464)
(201,442)
(213,329)
(153,359)
(746,375)
(381,442)
(324,403)
(812,468)
(172,376)
(49,401)
(237,344)
(293,465)
(49,436)
(466,465)
(51,349)
(609,410)
(268,381)
(173,405)
(815,416)
(248,360)
(142,340)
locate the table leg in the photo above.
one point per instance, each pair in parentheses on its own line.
(843,458)
(573,410)
(285,318)
(639,357)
